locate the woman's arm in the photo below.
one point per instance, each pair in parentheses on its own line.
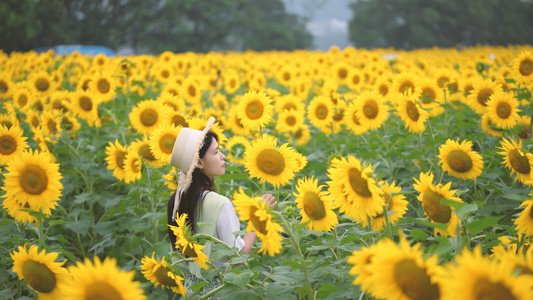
(249,241)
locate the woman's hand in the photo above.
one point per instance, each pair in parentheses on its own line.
(269,199)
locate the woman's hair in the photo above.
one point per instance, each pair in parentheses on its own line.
(189,200)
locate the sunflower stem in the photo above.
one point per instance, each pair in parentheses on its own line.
(41,230)
(296,245)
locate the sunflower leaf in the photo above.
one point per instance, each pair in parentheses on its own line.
(479,224)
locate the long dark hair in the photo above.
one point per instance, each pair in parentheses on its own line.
(189,200)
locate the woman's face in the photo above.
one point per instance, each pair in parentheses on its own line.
(213,164)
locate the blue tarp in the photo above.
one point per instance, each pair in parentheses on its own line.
(82,49)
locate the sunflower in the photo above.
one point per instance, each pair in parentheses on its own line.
(290,120)
(172,89)
(285,75)
(431,97)
(104,85)
(411,113)
(301,160)
(475,276)
(370,109)
(268,162)
(171,179)
(354,79)
(521,259)
(382,86)
(100,60)
(132,167)
(523,67)
(33,182)
(287,102)
(459,160)
(502,109)
(401,272)
(236,146)
(481,93)
(524,223)
(60,100)
(301,87)
(159,273)
(431,196)
(186,243)
(85,105)
(6,85)
(116,159)
(142,146)
(396,206)
(199,124)
(190,90)
(260,219)
(351,120)
(101,280)
(231,82)
(12,143)
(320,113)
(405,82)
(162,141)
(42,83)
(517,161)
(51,123)
(341,70)
(316,206)
(147,115)
(22,98)
(361,261)
(255,110)
(354,189)
(40,270)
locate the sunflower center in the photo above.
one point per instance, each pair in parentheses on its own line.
(436,211)
(286,76)
(136,165)
(149,117)
(100,290)
(459,161)
(405,86)
(428,95)
(313,206)
(356,79)
(146,153)
(414,282)
(338,116)
(22,100)
(503,110)
(8,145)
(254,110)
(355,120)
(443,81)
(383,89)
(519,162)
(233,83)
(289,105)
(370,109)
(33,179)
(342,73)
(358,183)
(485,289)
(161,274)
(271,162)
(412,111)
(192,90)
(86,103)
(166,143)
(259,225)
(321,111)
(42,84)
(120,158)
(526,67)
(483,96)
(39,276)
(189,251)
(103,86)
(3,86)
(179,120)
(165,74)
(52,125)
(290,120)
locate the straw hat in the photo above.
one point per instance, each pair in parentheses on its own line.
(185,156)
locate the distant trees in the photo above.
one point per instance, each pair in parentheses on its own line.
(152,26)
(409,24)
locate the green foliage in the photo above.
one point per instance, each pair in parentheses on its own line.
(410,24)
(152,26)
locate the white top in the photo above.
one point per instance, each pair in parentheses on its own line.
(227,224)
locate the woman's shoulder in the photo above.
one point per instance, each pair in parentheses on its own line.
(215,197)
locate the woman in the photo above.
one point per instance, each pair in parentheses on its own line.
(197,156)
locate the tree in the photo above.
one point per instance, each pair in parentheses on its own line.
(409,24)
(152,26)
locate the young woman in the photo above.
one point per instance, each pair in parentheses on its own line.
(197,156)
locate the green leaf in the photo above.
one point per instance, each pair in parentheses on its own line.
(241,279)
(479,224)
(418,234)
(325,290)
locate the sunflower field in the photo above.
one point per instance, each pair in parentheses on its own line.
(398,174)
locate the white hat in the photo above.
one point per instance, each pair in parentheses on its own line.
(185,156)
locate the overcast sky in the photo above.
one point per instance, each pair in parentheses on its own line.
(328,20)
